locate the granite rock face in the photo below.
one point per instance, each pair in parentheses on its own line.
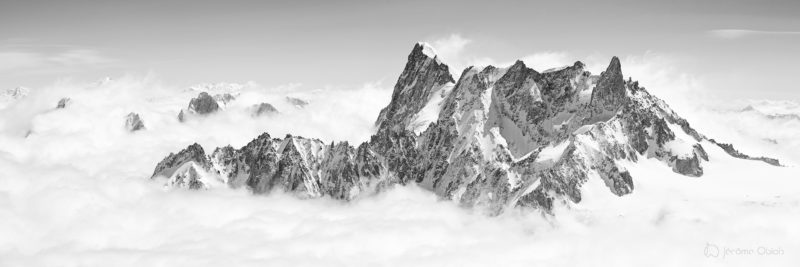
(133,122)
(610,89)
(496,138)
(422,76)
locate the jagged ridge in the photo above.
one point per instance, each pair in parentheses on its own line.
(501,137)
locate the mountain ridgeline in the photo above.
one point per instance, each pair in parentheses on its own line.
(495,139)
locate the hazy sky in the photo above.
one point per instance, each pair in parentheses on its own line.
(743,48)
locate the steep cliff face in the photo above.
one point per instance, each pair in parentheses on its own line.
(497,138)
(423,76)
(610,91)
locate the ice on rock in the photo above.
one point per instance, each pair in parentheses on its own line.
(427,49)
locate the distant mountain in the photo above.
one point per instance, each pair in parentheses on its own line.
(205,104)
(494,139)
(773,116)
(9,96)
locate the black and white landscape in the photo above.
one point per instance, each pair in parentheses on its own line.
(559,158)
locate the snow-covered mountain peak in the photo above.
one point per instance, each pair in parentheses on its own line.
(219,88)
(421,78)
(426,49)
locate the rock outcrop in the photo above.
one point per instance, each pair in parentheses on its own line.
(202,105)
(133,122)
(63,102)
(735,153)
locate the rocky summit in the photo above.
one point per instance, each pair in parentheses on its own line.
(205,104)
(63,103)
(133,122)
(494,139)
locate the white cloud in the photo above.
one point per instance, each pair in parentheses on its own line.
(451,47)
(75,193)
(540,61)
(546,60)
(19,61)
(662,74)
(453,51)
(78,57)
(742,33)
(92,205)
(770,129)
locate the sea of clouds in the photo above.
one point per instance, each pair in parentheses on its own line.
(75,191)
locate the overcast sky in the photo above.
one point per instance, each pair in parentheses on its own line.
(747,49)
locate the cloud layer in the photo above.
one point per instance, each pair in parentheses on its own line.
(21,61)
(742,33)
(75,192)
(454,50)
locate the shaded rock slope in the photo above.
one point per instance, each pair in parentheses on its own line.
(495,139)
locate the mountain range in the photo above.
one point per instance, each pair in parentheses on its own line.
(494,139)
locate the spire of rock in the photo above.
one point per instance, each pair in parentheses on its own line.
(422,76)
(425,49)
(609,93)
(611,86)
